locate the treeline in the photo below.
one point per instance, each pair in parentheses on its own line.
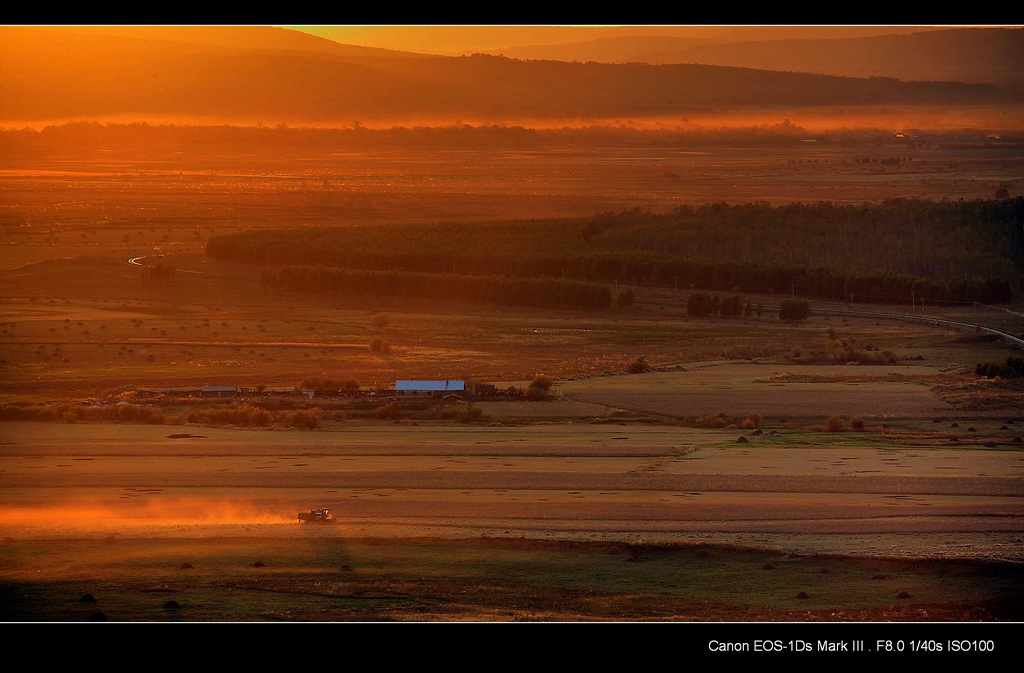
(899,251)
(446,287)
(172,142)
(703,304)
(245,415)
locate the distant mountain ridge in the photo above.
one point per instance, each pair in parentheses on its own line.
(284,76)
(975,55)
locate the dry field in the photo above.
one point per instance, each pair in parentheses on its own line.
(868,391)
(493,519)
(804,491)
(563,521)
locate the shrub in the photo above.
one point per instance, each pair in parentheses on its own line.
(752,421)
(719,420)
(639,365)
(540,387)
(391,410)
(1012,367)
(537,394)
(834,423)
(244,415)
(698,304)
(857,423)
(302,418)
(378,345)
(465,413)
(322,386)
(731,307)
(794,310)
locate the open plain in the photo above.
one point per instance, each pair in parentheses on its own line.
(710,488)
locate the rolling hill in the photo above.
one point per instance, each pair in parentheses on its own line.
(992,55)
(277,75)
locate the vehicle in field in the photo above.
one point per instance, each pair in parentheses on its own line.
(322,515)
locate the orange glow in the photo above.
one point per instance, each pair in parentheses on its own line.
(181,75)
(90,514)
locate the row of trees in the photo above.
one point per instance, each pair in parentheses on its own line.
(708,304)
(273,141)
(900,251)
(539,292)
(244,415)
(326,386)
(702,304)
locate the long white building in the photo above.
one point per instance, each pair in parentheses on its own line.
(441,387)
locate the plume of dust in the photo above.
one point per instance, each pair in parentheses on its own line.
(147,512)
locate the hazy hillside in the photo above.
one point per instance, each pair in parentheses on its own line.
(461,40)
(275,75)
(962,55)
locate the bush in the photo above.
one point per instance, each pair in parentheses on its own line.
(752,421)
(794,310)
(391,410)
(639,365)
(834,423)
(465,413)
(730,307)
(302,418)
(244,416)
(322,386)
(378,345)
(1011,368)
(719,420)
(537,394)
(540,387)
(699,304)
(857,423)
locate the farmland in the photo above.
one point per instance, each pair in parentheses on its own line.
(608,496)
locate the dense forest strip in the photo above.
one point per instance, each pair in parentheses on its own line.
(900,251)
(537,292)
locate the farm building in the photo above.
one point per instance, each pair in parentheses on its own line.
(429,388)
(219,391)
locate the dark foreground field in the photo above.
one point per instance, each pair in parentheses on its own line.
(328,578)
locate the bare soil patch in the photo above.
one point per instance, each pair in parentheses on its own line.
(790,391)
